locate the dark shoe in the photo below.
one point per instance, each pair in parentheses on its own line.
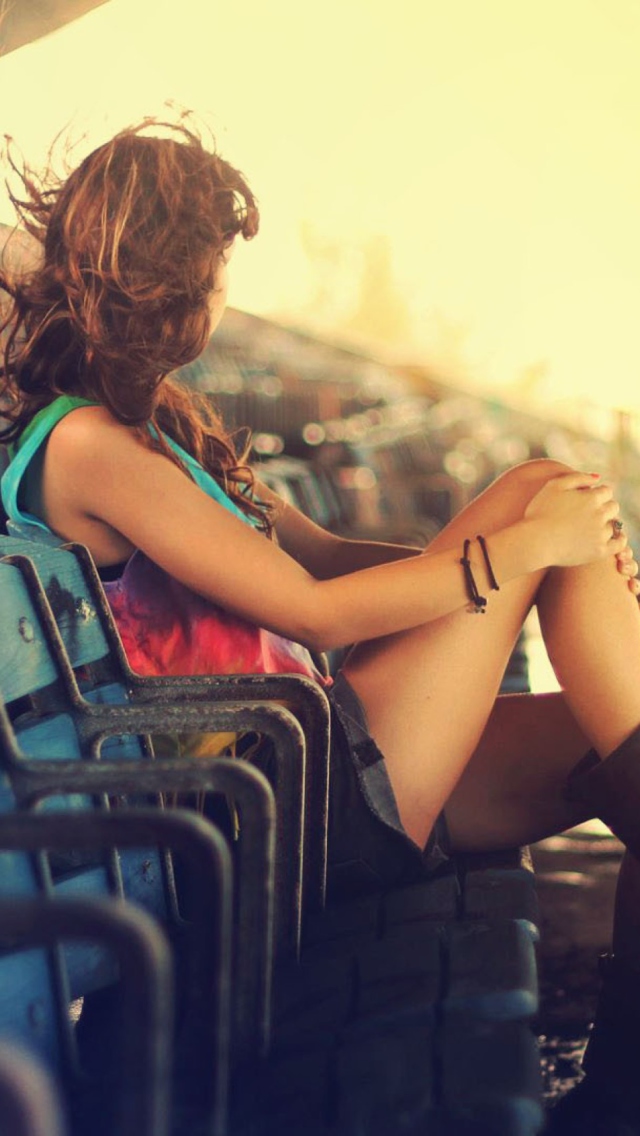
(607,1101)
(582,1113)
(610,790)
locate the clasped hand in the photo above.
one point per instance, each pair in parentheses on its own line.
(576,513)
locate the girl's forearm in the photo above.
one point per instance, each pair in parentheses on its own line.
(346,556)
(394,597)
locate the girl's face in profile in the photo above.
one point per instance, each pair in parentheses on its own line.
(218,297)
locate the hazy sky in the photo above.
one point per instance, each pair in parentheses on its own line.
(496,143)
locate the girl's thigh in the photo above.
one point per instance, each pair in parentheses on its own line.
(428,695)
(511,790)
(496,764)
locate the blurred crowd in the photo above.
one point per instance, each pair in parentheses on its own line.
(375,451)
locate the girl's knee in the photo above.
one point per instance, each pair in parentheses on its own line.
(502,503)
(506,499)
(530,476)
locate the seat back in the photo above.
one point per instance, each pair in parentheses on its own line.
(41,724)
(38,688)
(102,672)
(65,679)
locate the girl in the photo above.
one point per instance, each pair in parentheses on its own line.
(108,450)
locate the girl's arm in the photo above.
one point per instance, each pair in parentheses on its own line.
(97,471)
(324,554)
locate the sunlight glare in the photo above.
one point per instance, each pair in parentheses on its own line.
(494,147)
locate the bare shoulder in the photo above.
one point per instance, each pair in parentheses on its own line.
(81,430)
(92,460)
(88,459)
(90,447)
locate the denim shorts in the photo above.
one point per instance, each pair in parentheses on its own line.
(368,848)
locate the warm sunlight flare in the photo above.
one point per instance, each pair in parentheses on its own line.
(458,183)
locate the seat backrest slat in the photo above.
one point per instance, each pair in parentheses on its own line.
(28,1010)
(26,664)
(63,580)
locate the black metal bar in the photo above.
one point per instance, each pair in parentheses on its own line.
(274,722)
(29,1103)
(208,969)
(55,651)
(147,985)
(255,876)
(308,702)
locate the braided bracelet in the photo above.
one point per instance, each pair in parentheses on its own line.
(492,580)
(479,602)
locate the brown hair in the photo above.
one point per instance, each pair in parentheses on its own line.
(131,243)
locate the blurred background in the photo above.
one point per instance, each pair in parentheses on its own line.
(446,280)
(453,183)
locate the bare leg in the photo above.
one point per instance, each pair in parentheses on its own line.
(511,790)
(591,628)
(429,693)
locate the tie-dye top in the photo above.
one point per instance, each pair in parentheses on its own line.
(166,629)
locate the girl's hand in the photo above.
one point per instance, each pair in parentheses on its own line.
(628,567)
(574,513)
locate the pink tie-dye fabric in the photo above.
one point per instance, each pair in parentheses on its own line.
(166,629)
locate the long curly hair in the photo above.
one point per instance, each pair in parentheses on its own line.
(131,241)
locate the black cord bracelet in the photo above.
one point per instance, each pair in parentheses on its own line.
(492,580)
(479,602)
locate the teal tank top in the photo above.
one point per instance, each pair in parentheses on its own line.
(24,450)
